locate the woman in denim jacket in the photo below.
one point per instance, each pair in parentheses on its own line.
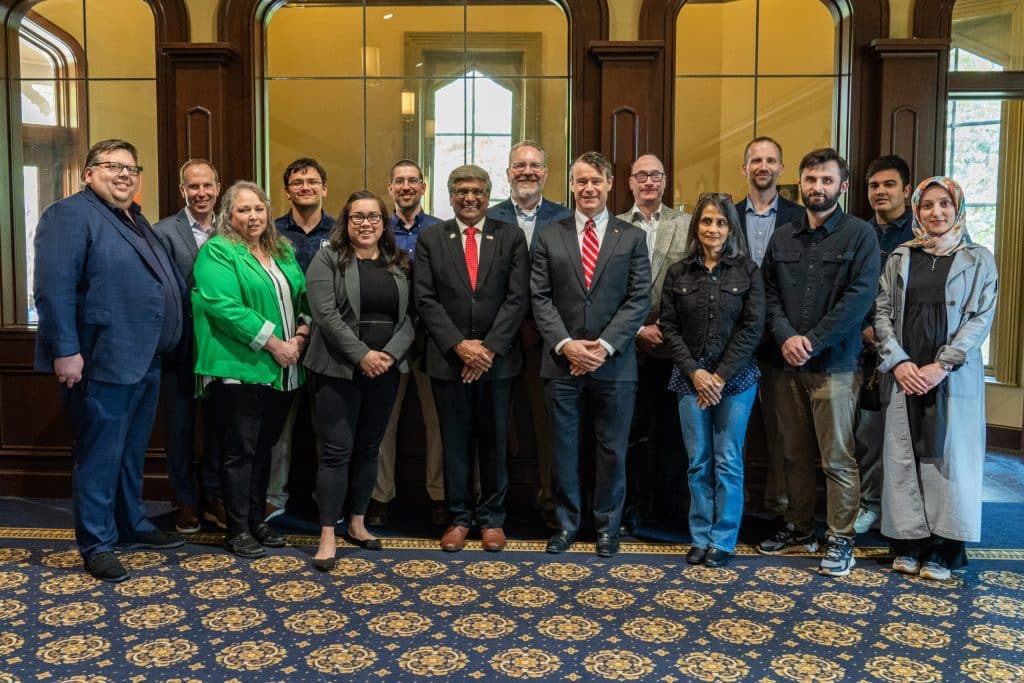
(712,318)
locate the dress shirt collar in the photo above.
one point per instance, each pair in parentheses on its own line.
(397,223)
(899,223)
(637,215)
(600,223)
(830,225)
(772,208)
(196,225)
(525,214)
(462,226)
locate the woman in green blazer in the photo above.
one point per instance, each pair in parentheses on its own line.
(251,326)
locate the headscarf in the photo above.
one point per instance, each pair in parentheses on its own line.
(956,238)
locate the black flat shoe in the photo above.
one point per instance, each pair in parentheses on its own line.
(717,558)
(696,555)
(324,565)
(607,544)
(367,544)
(244,545)
(106,567)
(266,535)
(560,542)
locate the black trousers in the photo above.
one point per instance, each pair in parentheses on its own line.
(474,422)
(249,418)
(351,416)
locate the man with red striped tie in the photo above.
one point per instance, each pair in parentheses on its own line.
(590,284)
(471,282)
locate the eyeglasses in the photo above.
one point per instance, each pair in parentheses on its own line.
(642,176)
(312,182)
(411,182)
(371,218)
(464,192)
(724,196)
(522,166)
(117,168)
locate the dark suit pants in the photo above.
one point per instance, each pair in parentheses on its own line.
(474,421)
(179,391)
(250,418)
(351,416)
(612,409)
(111,425)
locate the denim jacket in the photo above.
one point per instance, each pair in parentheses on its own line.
(717,315)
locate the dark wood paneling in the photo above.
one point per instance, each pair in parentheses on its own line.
(1004,439)
(933,18)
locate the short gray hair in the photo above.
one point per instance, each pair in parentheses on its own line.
(468,172)
(526,143)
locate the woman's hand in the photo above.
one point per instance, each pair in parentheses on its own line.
(285,353)
(932,374)
(910,378)
(376,363)
(708,386)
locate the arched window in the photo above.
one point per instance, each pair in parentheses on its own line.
(372,84)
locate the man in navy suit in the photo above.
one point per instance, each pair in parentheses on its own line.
(591,287)
(182,234)
(526,207)
(110,303)
(471,283)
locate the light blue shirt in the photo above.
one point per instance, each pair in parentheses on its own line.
(760,227)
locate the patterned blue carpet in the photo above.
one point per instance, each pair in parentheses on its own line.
(413,613)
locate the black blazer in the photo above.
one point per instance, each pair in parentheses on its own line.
(613,309)
(452,311)
(786,212)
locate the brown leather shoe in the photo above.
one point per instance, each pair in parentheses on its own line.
(493,539)
(454,538)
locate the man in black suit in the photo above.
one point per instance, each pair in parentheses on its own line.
(182,234)
(471,283)
(591,289)
(760,212)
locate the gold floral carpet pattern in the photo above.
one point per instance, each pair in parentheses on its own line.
(414,613)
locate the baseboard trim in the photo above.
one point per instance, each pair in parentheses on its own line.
(1003,439)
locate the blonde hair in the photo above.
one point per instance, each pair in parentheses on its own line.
(270,241)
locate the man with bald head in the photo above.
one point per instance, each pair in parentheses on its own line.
(655,440)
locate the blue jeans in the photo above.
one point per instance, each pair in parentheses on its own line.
(714,440)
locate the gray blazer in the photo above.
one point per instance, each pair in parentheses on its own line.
(669,247)
(334,346)
(176,235)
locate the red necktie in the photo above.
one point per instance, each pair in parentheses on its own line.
(471,257)
(589,251)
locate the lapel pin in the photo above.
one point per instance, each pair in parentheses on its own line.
(451,235)
(490,237)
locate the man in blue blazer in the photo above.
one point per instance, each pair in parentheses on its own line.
(528,208)
(110,303)
(182,234)
(591,289)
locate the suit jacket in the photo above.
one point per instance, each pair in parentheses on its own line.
(335,348)
(97,290)
(614,307)
(549,212)
(669,247)
(452,311)
(175,234)
(786,212)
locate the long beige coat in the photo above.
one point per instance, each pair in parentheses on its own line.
(939,496)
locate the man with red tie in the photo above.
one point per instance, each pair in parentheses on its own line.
(471,286)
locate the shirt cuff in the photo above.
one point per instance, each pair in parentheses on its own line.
(261,339)
(607,347)
(559,345)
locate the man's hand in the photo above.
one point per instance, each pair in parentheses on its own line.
(649,338)
(797,350)
(584,356)
(285,353)
(69,369)
(910,378)
(932,374)
(474,354)
(867,337)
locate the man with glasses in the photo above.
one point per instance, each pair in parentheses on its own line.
(591,287)
(526,207)
(110,304)
(182,234)
(407,188)
(308,227)
(654,468)
(471,282)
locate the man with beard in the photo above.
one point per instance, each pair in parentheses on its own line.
(526,207)
(407,188)
(821,275)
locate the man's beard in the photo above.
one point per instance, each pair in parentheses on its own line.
(820,203)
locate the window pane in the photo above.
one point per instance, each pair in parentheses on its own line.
(961,59)
(39,103)
(714,123)
(991,31)
(716,38)
(34,63)
(449,152)
(389,28)
(796,38)
(111,50)
(391,135)
(798,113)
(538,31)
(319,41)
(32,207)
(67,15)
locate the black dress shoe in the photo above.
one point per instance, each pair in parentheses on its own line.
(439,513)
(324,565)
(267,536)
(560,542)
(152,540)
(376,513)
(717,558)
(696,555)
(365,544)
(607,544)
(106,567)
(244,545)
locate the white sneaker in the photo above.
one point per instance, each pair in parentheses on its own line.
(866,520)
(906,565)
(935,572)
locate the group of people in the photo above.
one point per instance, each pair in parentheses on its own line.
(856,338)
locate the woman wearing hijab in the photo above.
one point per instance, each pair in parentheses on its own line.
(935,305)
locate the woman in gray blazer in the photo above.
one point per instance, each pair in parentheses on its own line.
(358,289)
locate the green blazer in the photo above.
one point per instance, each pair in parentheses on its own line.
(234,306)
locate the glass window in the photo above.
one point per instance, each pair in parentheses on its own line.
(441,82)
(733,84)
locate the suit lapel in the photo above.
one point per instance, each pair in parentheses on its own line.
(663,241)
(612,235)
(572,248)
(457,254)
(185,232)
(486,254)
(138,242)
(351,277)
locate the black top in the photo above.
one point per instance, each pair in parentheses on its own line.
(378,303)
(924,315)
(306,244)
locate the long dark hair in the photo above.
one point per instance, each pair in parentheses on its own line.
(390,254)
(723,202)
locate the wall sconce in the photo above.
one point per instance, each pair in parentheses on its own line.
(408,105)
(371,63)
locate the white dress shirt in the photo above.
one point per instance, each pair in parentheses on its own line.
(600,226)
